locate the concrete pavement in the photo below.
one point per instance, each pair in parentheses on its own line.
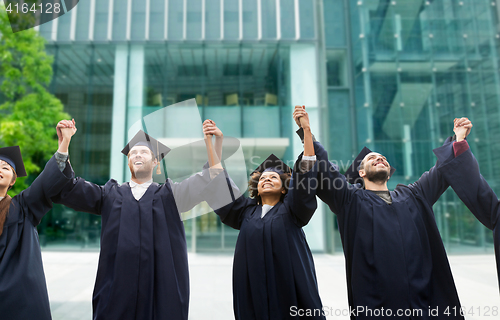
(70,280)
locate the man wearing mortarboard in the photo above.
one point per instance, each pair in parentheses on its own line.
(23,290)
(143,268)
(396,263)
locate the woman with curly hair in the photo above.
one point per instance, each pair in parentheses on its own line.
(273,271)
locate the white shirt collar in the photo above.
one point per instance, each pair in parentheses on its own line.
(1,198)
(265,209)
(144,185)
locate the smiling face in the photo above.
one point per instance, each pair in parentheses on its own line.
(141,162)
(270,184)
(7,176)
(375,168)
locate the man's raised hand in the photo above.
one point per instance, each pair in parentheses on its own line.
(461,127)
(210,129)
(65,130)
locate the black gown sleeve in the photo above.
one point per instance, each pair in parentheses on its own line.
(301,196)
(333,188)
(37,198)
(464,177)
(201,187)
(81,195)
(432,183)
(233,213)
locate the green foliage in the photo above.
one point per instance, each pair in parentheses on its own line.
(29,113)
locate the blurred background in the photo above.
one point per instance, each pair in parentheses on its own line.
(390,75)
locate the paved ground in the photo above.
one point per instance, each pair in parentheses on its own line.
(71,275)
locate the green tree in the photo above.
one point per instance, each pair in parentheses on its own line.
(29,112)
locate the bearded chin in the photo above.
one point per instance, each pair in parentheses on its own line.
(378,176)
(142,173)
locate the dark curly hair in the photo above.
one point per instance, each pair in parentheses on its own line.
(254,182)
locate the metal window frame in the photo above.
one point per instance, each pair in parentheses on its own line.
(92,20)
(110,19)
(165,30)
(129,19)
(148,11)
(259,19)
(72,28)
(203,22)
(278,19)
(240,19)
(297,19)
(222,19)
(184,19)
(55,23)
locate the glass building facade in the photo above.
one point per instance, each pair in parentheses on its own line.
(390,75)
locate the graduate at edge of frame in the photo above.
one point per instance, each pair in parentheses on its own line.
(475,192)
(273,271)
(396,263)
(23,290)
(143,266)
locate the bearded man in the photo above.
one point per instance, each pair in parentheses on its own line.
(396,263)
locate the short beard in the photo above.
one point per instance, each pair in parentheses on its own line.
(145,172)
(377,176)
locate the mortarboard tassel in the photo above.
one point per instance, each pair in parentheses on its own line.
(158,170)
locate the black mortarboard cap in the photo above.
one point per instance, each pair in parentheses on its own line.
(352,173)
(143,139)
(273,163)
(12,155)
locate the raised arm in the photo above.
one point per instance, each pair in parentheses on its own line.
(463,174)
(208,185)
(37,198)
(76,193)
(301,196)
(333,188)
(210,130)
(432,183)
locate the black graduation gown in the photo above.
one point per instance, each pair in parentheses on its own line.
(143,268)
(273,269)
(23,291)
(395,257)
(476,194)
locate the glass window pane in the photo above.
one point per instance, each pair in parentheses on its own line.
(307,20)
(119,21)
(231,19)
(193,26)
(46,30)
(334,23)
(250,19)
(157,19)
(83,82)
(175,19)
(336,66)
(101,20)
(64,27)
(287,17)
(138,28)
(82,20)
(212,19)
(339,108)
(269,19)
